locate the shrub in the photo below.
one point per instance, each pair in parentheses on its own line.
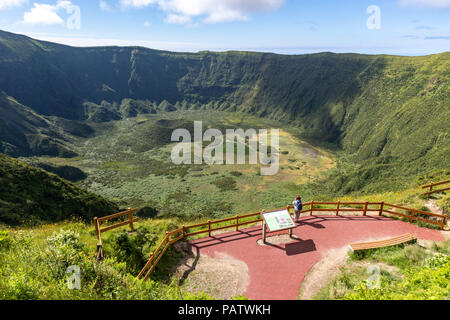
(132,249)
(64,250)
(442,247)
(19,287)
(147,212)
(5,241)
(225,184)
(236,173)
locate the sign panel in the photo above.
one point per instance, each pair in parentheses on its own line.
(278,220)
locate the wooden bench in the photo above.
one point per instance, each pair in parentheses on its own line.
(404,238)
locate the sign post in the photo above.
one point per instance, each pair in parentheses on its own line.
(277,221)
(264,231)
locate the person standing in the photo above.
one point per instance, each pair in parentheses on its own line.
(298,207)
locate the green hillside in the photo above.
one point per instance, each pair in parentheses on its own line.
(343,98)
(32,195)
(23,132)
(386,117)
(352,127)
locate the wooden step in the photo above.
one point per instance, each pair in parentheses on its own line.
(383,243)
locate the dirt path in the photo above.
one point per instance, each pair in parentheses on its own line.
(222,277)
(323,272)
(329,267)
(434,208)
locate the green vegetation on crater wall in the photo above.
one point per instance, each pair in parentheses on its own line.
(32,195)
(370,106)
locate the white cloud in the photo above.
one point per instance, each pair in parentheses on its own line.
(104,6)
(177,18)
(426,3)
(11,3)
(42,13)
(147,24)
(46,13)
(209,11)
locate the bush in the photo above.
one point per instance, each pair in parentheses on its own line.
(236,173)
(5,241)
(147,212)
(64,250)
(132,249)
(19,287)
(442,247)
(225,184)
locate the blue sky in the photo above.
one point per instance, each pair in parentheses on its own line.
(403,27)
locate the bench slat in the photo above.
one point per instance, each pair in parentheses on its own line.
(382,243)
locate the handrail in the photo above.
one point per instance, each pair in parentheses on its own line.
(97,221)
(382,208)
(433,184)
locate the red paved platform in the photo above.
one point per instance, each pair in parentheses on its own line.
(276,272)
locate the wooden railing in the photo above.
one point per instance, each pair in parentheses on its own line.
(343,206)
(414,214)
(97,223)
(186,231)
(311,207)
(431,185)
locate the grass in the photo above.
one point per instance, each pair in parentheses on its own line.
(404,266)
(33,265)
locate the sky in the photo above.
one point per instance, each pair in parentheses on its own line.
(400,27)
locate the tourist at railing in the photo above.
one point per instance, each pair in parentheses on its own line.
(298,207)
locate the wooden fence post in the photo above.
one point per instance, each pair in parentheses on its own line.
(381,208)
(97,228)
(411,217)
(365,209)
(99,238)
(337,208)
(237,223)
(130,219)
(312,206)
(209,228)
